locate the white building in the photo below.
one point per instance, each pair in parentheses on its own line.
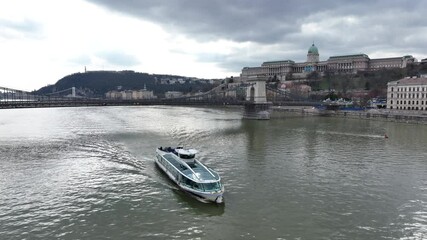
(173,94)
(126,95)
(130,94)
(337,64)
(113,95)
(407,94)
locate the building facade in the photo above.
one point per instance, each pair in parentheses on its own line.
(173,94)
(130,94)
(407,94)
(336,64)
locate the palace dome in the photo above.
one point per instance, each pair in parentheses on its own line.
(313,50)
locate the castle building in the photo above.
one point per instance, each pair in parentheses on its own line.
(407,94)
(337,64)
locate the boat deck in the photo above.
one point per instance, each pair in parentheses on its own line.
(201,173)
(170,158)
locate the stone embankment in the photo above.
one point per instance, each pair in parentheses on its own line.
(419,117)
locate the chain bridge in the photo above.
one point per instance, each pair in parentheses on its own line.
(224,94)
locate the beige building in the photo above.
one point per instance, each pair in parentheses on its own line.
(173,94)
(407,94)
(142,94)
(113,95)
(130,94)
(336,64)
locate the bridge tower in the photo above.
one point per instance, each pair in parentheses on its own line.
(256,106)
(73,92)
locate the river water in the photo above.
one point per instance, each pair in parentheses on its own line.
(89,173)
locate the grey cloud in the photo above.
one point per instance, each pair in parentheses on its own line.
(119,58)
(16,29)
(242,20)
(114,58)
(264,21)
(81,60)
(380,25)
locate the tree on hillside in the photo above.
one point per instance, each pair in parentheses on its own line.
(367,86)
(313,80)
(411,70)
(328,77)
(97,83)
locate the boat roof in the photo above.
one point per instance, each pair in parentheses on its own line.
(195,170)
(201,174)
(186,151)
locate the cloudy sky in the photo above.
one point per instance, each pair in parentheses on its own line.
(42,41)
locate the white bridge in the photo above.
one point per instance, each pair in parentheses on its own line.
(256,106)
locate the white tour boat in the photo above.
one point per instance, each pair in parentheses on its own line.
(189,174)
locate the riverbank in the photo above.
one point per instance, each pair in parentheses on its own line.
(418,117)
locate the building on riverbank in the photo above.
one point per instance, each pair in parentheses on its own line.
(407,94)
(337,64)
(130,94)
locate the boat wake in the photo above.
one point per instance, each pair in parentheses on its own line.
(350,134)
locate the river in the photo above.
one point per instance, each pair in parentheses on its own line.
(89,173)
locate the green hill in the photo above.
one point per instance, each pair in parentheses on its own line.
(97,83)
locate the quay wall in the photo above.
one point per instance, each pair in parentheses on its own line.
(418,117)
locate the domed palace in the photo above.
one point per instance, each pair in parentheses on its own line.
(283,69)
(313,54)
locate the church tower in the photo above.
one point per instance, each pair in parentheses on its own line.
(313,54)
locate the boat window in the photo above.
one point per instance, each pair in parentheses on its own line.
(212,186)
(192,165)
(182,167)
(185,156)
(188,182)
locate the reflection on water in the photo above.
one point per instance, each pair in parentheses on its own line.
(89,173)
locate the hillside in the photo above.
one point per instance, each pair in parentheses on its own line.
(97,83)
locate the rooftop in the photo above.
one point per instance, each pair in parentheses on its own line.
(410,81)
(278,62)
(350,55)
(313,50)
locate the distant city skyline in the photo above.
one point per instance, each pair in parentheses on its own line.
(43,41)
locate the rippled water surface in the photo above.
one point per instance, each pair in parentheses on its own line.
(89,173)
